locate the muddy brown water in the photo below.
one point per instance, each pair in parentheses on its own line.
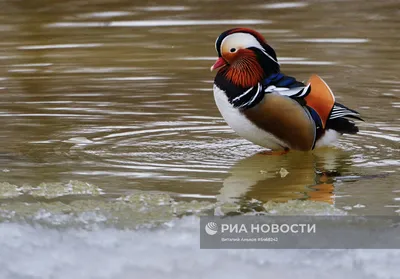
(118,94)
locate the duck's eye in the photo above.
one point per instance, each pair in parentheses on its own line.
(233,49)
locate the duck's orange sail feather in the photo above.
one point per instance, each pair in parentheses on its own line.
(320,98)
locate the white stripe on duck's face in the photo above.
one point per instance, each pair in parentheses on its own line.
(236,41)
(239,41)
(242,126)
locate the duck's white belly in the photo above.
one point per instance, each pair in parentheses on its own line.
(242,126)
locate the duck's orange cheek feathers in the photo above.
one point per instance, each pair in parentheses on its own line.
(245,71)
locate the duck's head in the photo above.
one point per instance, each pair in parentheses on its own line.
(244,57)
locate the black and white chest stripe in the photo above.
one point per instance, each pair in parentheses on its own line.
(250,97)
(278,83)
(254,95)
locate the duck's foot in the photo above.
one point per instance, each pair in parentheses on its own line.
(274,152)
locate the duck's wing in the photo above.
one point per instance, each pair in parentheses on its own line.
(286,119)
(320,98)
(315,94)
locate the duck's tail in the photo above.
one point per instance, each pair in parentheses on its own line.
(339,119)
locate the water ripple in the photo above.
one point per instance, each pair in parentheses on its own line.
(39,47)
(157,23)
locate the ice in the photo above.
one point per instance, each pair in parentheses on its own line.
(170,252)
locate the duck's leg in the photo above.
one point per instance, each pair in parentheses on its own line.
(274,152)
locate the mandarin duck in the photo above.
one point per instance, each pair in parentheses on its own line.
(269,108)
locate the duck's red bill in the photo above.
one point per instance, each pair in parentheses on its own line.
(218,64)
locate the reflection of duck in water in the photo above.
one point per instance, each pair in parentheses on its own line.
(296,175)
